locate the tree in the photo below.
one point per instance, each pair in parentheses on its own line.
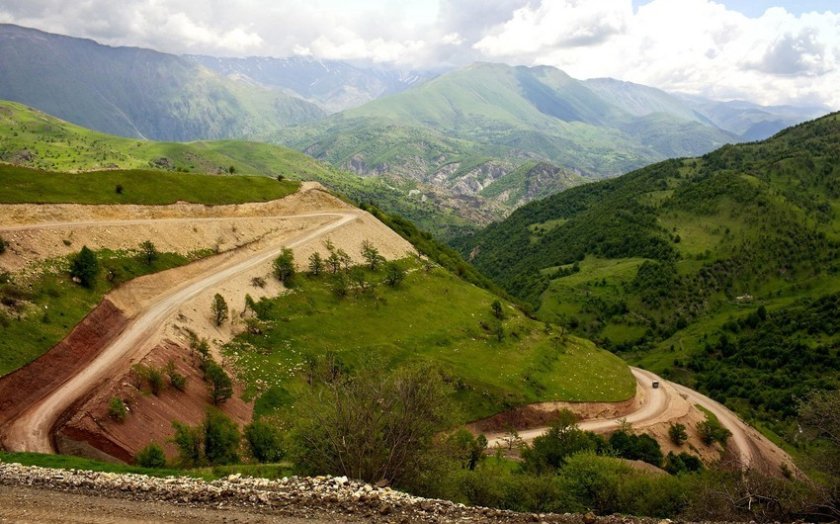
(221,386)
(819,417)
(677,433)
(339,285)
(316,264)
(220,309)
(284,267)
(394,274)
(151,456)
(345,259)
(371,426)
(221,438)
(371,255)
(84,267)
(334,263)
(149,252)
(190,442)
(636,447)
(264,441)
(498,312)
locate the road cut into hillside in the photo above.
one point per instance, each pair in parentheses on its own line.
(656,408)
(159,306)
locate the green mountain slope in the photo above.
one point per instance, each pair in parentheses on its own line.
(463,133)
(33,139)
(719,270)
(137,92)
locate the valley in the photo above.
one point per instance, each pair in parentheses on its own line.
(420,262)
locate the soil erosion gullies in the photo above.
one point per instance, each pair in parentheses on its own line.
(31,430)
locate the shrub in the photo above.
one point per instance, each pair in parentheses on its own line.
(284,267)
(682,463)
(190,443)
(371,255)
(264,441)
(677,434)
(177,380)
(221,386)
(636,447)
(153,377)
(151,456)
(221,438)
(372,427)
(84,267)
(220,309)
(550,451)
(394,274)
(149,252)
(711,431)
(117,409)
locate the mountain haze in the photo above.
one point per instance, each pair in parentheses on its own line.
(137,92)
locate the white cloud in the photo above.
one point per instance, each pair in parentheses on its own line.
(697,46)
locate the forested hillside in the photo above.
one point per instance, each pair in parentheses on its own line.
(721,270)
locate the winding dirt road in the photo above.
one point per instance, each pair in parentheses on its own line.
(669,402)
(31,430)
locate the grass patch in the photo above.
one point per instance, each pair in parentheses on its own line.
(52,304)
(398,326)
(25,185)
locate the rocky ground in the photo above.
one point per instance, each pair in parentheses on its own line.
(34,494)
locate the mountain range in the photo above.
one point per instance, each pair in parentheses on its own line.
(477,142)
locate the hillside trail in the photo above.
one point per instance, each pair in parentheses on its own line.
(30,431)
(669,402)
(153,301)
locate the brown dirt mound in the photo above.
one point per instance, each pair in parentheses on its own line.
(30,383)
(150,416)
(546,413)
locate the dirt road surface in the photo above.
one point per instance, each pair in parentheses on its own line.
(672,401)
(27,505)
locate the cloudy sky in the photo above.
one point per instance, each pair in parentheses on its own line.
(768,51)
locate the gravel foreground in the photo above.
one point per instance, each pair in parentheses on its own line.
(246,499)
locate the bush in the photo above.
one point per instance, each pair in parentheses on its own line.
(148,252)
(190,443)
(221,386)
(84,267)
(677,434)
(220,309)
(394,274)
(284,267)
(117,409)
(711,431)
(177,380)
(264,441)
(151,456)
(682,463)
(153,377)
(636,447)
(221,438)
(372,427)
(550,451)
